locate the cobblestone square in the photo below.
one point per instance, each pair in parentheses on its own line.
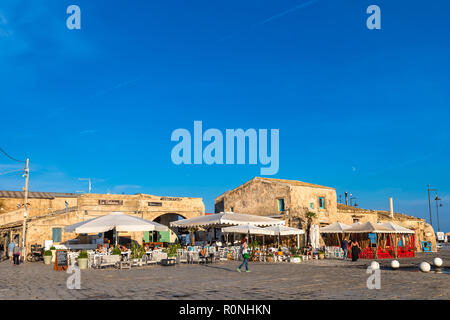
(317,279)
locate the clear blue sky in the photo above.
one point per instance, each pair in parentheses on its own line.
(361,110)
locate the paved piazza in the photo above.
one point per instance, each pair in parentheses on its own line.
(317,279)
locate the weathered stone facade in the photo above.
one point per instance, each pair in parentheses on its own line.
(260,196)
(88,206)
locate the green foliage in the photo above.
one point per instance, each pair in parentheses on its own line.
(83,255)
(116,251)
(270,255)
(172,250)
(311,215)
(52,248)
(47,253)
(137,251)
(254,244)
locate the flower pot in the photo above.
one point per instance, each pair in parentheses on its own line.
(48,259)
(269,259)
(296,260)
(321,256)
(82,263)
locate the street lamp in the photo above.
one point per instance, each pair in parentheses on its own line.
(438,204)
(429,203)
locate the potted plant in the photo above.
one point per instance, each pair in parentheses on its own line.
(116,251)
(270,257)
(321,255)
(82,259)
(47,257)
(53,251)
(297,259)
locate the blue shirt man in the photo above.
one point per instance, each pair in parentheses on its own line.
(10,249)
(344,246)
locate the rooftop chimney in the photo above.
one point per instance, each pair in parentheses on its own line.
(391,207)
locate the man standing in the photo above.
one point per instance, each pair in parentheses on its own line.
(10,250)
(344,246)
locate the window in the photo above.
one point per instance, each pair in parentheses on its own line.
(231,209)
(311,205)
(355,220)
(321,202)
(56,234)
(280,205)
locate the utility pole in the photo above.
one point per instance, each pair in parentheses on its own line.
(25,213)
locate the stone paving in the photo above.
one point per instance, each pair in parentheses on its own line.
(316,279)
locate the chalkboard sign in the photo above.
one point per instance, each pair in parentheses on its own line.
(61,261)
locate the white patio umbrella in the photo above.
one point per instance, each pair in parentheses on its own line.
(280,230)
(247,229)
(117,221)
(225,219)
(337,227)
(314,235)
(396,228)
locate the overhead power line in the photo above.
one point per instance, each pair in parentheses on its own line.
(6,154)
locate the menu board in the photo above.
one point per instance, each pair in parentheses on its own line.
(61,261)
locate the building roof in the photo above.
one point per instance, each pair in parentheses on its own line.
(36,195)
(385,214)
(296,183)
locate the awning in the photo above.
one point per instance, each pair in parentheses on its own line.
(224,219)
(396,228)
(337,227)
(368,227)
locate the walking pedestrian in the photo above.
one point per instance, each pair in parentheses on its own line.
(355,250)
(11,246)
(245,255)
(16,254)
(344,246)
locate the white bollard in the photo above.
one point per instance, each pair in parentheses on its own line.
(374,265)
(395,264)
(424,266)
(437,262)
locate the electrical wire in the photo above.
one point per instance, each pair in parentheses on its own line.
(3,173)
(6,154)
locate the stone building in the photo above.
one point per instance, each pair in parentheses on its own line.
(294,201)
(48,216)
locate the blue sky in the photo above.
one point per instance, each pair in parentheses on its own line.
(364,111)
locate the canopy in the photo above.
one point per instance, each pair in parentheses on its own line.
(396,228)
(246,229)
(220,220)
(368,227)
(337,227)
(283,230)
(116,220)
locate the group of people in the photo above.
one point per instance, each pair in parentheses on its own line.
(354,247)
(12,252)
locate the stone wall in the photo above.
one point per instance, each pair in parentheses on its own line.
(36,206)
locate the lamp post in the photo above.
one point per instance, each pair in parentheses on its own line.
(429,203)
(438,204)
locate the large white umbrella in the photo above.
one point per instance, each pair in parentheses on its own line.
(314,235)
(368,227)
(247,229)
(280,230)
(396,228)
(337,227)
(117,221)
(224,219)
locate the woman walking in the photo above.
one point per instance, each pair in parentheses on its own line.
(245,255)
(355,250)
